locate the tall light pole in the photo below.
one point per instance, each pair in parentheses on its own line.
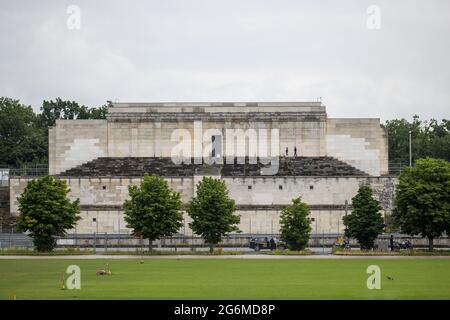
(410,150)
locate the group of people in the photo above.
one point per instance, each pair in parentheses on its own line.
(295,151)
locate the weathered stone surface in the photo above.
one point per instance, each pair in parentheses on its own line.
(137,166)
(100,159)
(259,199)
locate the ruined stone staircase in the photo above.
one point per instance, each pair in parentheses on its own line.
(297,166)
(137,166)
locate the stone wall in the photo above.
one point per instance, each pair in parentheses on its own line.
(107,192)
(259,205)
(258,221)
(154,138)
(249,191)
(73,142)
(147,130)
(313,190)
(360,142)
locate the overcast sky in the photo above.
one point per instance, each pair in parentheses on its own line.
(243,50)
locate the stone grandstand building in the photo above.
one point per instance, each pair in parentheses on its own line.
(321,159)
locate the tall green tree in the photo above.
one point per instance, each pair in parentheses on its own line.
(24,133)
(429,139)
(212,211)
(22,141)
(46,211)
(296,225)
(423,199)
(153,210)
(69,110)
(61,109)
(100,112)
(365,222)
(439,139)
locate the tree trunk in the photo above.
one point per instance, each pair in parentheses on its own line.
(430,244)
(211,247)
(150,245)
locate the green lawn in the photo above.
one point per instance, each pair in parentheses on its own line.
(227,279)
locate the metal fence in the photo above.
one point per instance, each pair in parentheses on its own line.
(42,170)
(29,171)
(103,242)
(7,172)
(15,240)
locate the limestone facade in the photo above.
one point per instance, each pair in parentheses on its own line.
(99,159)
(147,130)
(258,206)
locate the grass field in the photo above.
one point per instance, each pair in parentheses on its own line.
(227,279)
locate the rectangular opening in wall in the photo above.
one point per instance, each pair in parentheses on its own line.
(216,146)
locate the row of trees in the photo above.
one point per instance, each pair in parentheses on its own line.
(422,208)
(154,210)
(422,205)
(24,133)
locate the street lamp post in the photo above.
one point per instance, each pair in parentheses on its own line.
(410,150)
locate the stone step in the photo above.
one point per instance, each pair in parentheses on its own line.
(137,166)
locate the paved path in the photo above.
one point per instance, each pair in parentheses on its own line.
(234,257)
